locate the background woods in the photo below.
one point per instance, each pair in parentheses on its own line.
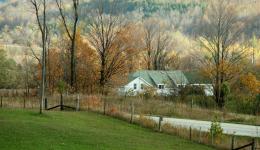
(190,68)
(94,45)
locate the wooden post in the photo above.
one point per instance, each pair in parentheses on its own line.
(132,112)
(212,137)
(61,102)
(232,142)
(104,106)
(77,107)
(24,102)
(1,101)
(160,123)
(253,144)
(46,104)
(200,136)
(190,134)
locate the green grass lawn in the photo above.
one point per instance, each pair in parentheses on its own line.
(27,130)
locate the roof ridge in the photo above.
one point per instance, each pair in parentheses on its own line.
(151,78)
(171,79)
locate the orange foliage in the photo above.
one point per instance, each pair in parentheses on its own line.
(125,49)
(228,69)
(91,102)
(54,68)
(113,110)
(251,83)
(87,64)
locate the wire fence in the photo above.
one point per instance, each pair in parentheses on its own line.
(135,111)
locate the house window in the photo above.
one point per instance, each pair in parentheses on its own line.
(135,86)
(142,86)
(161,86)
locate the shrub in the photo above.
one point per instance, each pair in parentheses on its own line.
(148,123)
(113,110)
(190,90)
(200,100)
(216,130)
(243,104)
(149,92)
(225,89)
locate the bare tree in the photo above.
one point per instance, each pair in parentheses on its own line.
(156,42)
(104,36)
(221,31)
(149,33)
(71,33)
(40,13)
(161,54)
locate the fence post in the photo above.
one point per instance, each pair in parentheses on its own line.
(160,123)
(61,102)
(132,112)
(46,104)
(1,101)
(104,106)
(212,137)
(77,107)
(190,134)
(232,142)
(24,102)
(200,135)
(253,144)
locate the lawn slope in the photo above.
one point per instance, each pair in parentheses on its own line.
(27,130)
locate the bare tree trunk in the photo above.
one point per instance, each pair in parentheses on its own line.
(72,37)
(43,28)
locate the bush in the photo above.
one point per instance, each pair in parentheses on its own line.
(148,93)
(200,101)
(216,130)
(148,123)
(225,89)
(203,101)
(191,90)
(243,104)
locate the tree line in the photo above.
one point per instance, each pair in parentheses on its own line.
(97,56)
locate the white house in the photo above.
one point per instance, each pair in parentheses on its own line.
(162,83)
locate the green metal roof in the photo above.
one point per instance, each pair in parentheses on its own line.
(196,77)
(169,78)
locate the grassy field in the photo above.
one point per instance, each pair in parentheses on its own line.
(27,130)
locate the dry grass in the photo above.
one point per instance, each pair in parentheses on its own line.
(142,106)
(120,108)
(223,142)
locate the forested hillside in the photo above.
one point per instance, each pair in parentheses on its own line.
(174,30)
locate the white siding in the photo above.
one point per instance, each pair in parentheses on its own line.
(129,88)
(208,88)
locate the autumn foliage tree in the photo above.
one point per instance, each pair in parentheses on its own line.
(222,55)
(59,60)
(104,36)
(87,65)
(250,82)
(54,69)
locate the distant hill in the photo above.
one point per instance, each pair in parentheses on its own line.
(149,7)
